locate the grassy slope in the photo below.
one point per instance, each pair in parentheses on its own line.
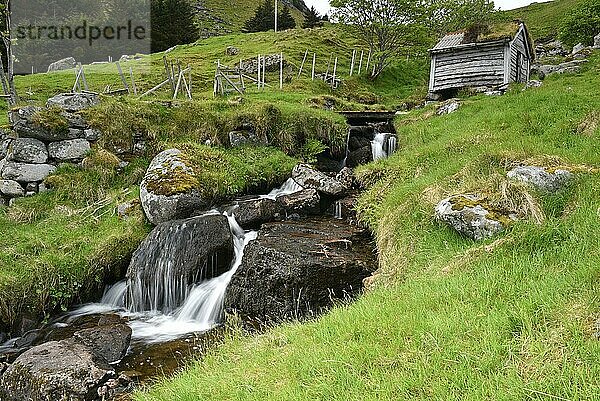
(237,12)
(202,56)
(512,318)
(543,19)
(60,242)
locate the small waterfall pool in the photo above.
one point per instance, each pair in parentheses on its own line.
(155,316)
(201,310)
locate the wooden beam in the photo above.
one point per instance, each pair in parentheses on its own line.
(157,87)
(302,65)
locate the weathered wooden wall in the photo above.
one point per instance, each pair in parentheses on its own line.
(519,46)
(481,66)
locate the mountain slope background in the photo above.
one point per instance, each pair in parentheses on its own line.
(217,17)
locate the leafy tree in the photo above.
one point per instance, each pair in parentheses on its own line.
(385,26)
(443,16)
(388,26)
(581,24)
(312,19)
(285,19)
(172,24)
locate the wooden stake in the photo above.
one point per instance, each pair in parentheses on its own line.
(258,68)
(264,71)
(334,71)
(276,15)
(362,53)
(313,66)
(178,85)
(368,61)
(303,61)
(132,81)
(157,87)
(281,70)
(85,85)
(352,63)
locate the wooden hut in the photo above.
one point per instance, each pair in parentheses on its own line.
(481,57)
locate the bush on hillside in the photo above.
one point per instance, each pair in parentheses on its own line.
(582,24)
(312,19)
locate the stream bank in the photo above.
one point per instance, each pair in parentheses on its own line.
(178,285)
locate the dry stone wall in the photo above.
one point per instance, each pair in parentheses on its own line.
(32,151)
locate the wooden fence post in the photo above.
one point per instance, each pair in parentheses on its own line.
(352,63)
(313,66)
(281,70)
(362,53)
(302,65)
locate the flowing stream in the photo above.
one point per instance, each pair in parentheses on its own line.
(157,314)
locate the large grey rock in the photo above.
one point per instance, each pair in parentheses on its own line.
(175,255)
(577,48)
(245,137)
(11,189)
(57,370)
(562,68)
(251,213)
(26,126)
(448,107)
(542,179)
(63,64)
(297,268)
(28,150)
(168,189)
(306,201)
(597,41)
(73,149)
(73,101)
(471,217)
(108,341)
(23,172)
(307,177)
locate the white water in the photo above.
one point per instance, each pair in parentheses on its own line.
(377,147)
(338,210)
(202,307)
(288,187)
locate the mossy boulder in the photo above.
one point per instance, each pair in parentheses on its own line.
(472,216)
(169,188)
(543,179)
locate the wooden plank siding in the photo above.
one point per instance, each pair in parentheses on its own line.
(469,67)
(456,65)
(519,58)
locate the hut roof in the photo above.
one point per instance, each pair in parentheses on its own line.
(478,35)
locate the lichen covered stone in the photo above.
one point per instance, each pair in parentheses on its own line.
(541,178)
(169,188)
(472,217)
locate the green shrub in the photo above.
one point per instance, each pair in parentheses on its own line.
(582,24)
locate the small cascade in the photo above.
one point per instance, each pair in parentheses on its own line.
(338,210)
(347,149)
(205,302)
(377,145)
(392,145)
(288,187)
(187,307)
(115,295)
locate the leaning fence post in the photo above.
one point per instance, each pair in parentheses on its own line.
(352,63)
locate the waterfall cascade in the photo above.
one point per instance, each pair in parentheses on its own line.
(338,210)
(384,145)
(174,305)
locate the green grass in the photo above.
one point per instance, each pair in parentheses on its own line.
(449,319)
(60,247)
(329,42)
(542,19)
